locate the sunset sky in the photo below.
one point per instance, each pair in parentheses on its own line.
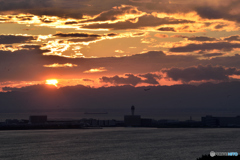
(105,44)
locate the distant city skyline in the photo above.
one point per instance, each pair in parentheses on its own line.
(160,102)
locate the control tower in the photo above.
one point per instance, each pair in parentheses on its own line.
(132,120)
(132,109)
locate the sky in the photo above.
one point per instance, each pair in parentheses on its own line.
(95,49)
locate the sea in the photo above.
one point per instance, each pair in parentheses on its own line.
(117,143)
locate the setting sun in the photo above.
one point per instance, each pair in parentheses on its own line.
(52,82)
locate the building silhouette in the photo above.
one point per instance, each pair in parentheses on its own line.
(211,121)
(132,120)
(38,119)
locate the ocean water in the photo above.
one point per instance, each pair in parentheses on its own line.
(117,143)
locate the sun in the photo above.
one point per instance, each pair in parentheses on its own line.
(52,82)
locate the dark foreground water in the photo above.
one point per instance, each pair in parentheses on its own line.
(117,144)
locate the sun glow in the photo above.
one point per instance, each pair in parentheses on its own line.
(52,82)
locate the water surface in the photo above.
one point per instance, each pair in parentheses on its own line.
(117,143)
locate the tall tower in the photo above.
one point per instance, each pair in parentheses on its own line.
(132,109)
(132,120)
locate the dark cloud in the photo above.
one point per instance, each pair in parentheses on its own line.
(211,54)
(179,36)
(201,38)
(76,35)
(167,29)
(112,34)
(132,79)
(23,4)
(200,73)
(225,46)
(233,38)
(105,10)
(72,22)
(210,13)
(88,39)
(218,9)
(88,80)
(195,38)
(166,6)
(61,8)
(115,12)
(151,78)
(27,65)
(46,7)
(10,39)
(219,26)
(220,12)
(144,21)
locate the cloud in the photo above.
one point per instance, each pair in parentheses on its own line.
(28,65)
(201,38)
(201,73)
(210,13)
(179,36)
(225,46)
(131,79)
(167,29)
(60,8)
(76,35)
(223,12)
(46,7)
(123,12)
(211,54)
(151,78)
(88,80)
(10,39)
(80,37)
(195,38)
(161,35)
(143,21)
(233,38)
(79,40)
(56,65)
(94,70)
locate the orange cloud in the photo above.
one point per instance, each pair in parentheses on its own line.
(56,65)
(94,70)
(119,51)
(161,35)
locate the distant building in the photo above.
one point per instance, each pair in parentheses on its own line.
(211,121)
(132,120)
(11,121)
(146,122)
(38,119)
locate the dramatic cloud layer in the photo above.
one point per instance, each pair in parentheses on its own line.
(91,49)
(225,46)
(200,73)
(131,79)
(10,39)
